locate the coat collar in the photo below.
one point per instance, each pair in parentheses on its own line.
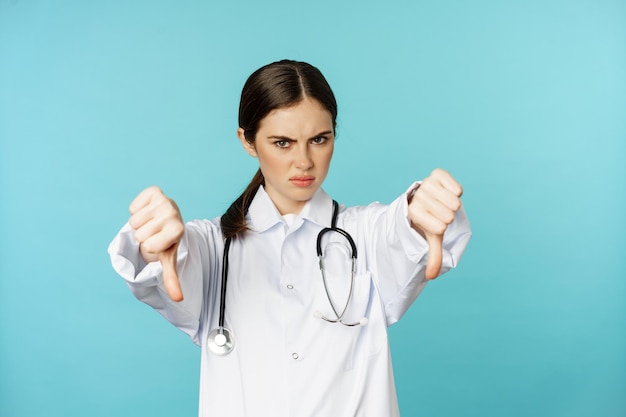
(263,214)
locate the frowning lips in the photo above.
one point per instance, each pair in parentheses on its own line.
(302,180)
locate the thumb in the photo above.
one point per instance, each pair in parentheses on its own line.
(433,263)
(170,276)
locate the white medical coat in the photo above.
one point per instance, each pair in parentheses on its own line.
(287,362)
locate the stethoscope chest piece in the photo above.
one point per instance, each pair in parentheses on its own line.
(221,341)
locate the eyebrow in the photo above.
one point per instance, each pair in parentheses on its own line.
(325,133)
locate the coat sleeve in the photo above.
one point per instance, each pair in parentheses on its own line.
(197,263)
(397,254)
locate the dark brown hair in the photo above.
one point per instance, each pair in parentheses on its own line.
(277,85)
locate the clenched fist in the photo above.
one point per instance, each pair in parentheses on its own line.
(431,209)
(159,228)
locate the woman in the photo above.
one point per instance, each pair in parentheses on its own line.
(295,341)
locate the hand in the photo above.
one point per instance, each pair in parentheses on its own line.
(159,228)
(431,210)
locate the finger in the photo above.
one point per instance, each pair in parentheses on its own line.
(170,275)
(435,191)
(439,210)
(147,230)
(141,217)
(143,199)
(447,181)
(433,263)
(425,221)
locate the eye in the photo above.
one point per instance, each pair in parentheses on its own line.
(319,140)
(282,143)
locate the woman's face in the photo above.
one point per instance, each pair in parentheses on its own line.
(294,146)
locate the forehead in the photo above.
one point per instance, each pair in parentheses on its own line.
(307,117)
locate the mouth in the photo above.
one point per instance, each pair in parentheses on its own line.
(302,180)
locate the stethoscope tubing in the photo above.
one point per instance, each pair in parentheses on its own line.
(225,343)
(338,230)
(339,318)
(224,282)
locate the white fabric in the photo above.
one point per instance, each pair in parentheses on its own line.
(287,362)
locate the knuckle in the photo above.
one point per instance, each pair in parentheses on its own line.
(150,193)
(425,187)
(138,237)
(172,216)
(440,228)
(155,189)
(437,172)
(148,246)
(178,229)
(416,212)
(448,218)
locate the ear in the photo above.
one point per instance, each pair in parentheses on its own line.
(249,147)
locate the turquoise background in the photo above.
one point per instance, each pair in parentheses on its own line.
(523,101)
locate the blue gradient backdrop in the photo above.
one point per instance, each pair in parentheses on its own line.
(523,101)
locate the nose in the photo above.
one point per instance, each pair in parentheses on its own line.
(303,158)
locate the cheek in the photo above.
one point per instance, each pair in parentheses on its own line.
(326,157)
(271,163)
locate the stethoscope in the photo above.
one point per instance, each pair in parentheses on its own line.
(221,340)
